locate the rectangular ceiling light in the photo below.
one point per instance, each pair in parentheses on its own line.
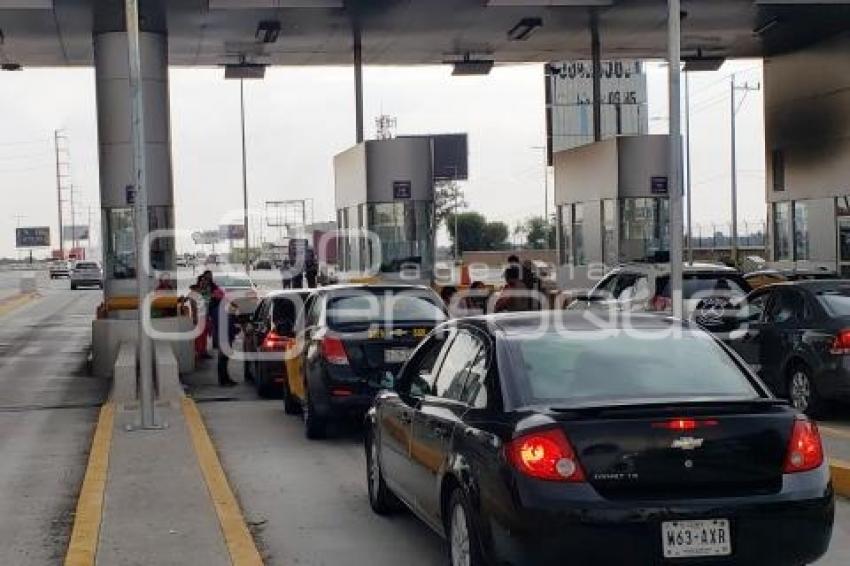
(254,4)
(703,63)
(244,71)
(470,67)
(26,4)
(548,3)
(524,28)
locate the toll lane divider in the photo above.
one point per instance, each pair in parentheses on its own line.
(840,471)
(12,302)
(240,544)
(82,549)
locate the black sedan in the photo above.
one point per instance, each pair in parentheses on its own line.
(355,338)
(545,439)
(797,337)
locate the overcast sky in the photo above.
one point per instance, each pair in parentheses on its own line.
(299,118)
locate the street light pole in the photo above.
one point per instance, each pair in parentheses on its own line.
(137,127)
(734,160)
(244,173)
(688,165)
(675,153)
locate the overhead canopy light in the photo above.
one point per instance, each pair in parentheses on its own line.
(545,3)
(469,66)
(268,31)
(703,63)
(523,30)
(766,26)
(244,71)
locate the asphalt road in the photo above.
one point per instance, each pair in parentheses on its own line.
(48,408)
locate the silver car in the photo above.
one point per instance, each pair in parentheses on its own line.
(86,274)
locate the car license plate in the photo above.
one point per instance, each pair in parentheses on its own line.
(688,539)
(396,355)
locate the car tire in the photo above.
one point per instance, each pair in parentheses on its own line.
(381,498)
(247,372)
(801,389)
(315,427)
(290,403)
(464,546)
(264,388)
(73,286)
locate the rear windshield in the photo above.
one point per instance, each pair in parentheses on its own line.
(702,285)
(385,308)
(835,301)
(81,265)
(579,368)
(287,307)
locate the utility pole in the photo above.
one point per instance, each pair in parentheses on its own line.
(733,111)
(73,218)
(58,136)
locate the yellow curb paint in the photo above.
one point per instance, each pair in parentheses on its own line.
(840,471)
(9,304)
(240,544)
(82,548)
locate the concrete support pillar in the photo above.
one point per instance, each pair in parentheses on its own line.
(358,84)
(116,155)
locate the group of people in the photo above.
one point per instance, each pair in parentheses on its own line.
(205,299)
(523,291)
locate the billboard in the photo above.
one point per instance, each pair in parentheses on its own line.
(569,102)
(32,237)
(75,233)
(232,231)
(206,238)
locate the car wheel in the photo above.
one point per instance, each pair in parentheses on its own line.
(315,426)
(290,403)
(382,500)
(464,547)
(801,390)
(247,373)
(264,388)
(73,287)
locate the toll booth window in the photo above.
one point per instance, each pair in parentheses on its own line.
(565,222)
(644,228)
(782,231)
(609,237)
(801,230)
(121,251)
(403,229)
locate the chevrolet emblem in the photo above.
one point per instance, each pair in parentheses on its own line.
(687,443)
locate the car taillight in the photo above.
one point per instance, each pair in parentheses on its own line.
(660,303)
(545,455)
(333,351)
(841,344)
(805,451)
(274,341)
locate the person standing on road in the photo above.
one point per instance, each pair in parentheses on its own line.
(513,297)
(232,328)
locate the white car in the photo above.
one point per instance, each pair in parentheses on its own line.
(59,269)
(86,274)
(708,291)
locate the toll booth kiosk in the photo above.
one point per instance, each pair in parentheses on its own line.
(612,206)
(384,192)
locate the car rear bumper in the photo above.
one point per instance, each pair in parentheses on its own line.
(86,282)
(792,527)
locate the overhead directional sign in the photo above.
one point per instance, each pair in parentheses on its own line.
(32,237)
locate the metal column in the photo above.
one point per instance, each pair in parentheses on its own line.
(358,83)
(244,174)
(675,154)
(596,63)
(688,166)
(146,390)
